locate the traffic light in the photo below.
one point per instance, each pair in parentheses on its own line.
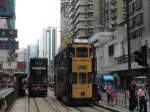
(141,56)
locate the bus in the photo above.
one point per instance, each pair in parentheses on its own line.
(38,78)
(74,73)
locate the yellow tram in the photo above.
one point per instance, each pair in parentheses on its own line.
(74,73)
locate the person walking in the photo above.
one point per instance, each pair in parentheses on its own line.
(109,90)
(97,94)
(131,93)
(142,99)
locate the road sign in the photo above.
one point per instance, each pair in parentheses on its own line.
(8,45)
(8,33)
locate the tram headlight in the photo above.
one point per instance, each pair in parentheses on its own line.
(82,93)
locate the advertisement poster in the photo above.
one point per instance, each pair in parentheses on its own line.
(7,45)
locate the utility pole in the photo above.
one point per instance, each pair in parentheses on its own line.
(128,35)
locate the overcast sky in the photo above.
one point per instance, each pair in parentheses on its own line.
(34,15)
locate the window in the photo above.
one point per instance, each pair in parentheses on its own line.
(74,78)
(139,19)
(111,50)
(132,9)
(138,4)
(82,78)
(72,54)
(90,52)
(81,52)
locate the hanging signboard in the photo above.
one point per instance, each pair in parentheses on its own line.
(8,45)
(8,33)
(7,8)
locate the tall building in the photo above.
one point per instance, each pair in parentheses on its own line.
(139,12)
(47,46)
(64,19)
(7,55)
(84,18)
(113,13)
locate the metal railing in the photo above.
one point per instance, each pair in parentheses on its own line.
(123,59)
(120,100)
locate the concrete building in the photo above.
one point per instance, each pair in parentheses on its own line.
(112,56)
(64,19)
(139,23)
(3,53)
(112,13)
(7,56)
(84,18)
(47,46)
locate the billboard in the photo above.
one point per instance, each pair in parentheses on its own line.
(8,33)
(8,45)
(11,65)
(6,8)
(21,65)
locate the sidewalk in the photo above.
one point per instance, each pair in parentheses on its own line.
(117,108)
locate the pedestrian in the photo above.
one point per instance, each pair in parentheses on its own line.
(142,98)
(97,94)
(109,90)
(131,93)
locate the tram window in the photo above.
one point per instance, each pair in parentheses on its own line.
(82,52)
(72,52)
(74,78)
(89,77)
(82,78)
(90,52)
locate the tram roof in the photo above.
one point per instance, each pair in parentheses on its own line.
(80,41)
(20,74)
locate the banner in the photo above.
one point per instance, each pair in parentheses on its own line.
(8,45)
(7,8)
(8,33)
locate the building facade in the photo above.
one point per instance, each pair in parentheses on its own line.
(84,18)
(47,46)
(64,19)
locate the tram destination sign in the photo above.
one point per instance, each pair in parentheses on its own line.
(8,33)
(8,45)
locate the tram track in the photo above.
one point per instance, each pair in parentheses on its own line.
(93,108)
(88,109)
(50,104)
(36,106)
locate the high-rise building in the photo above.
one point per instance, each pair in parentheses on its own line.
(112,13)
(64,19)
(84,18)
(139,13)
(47,46)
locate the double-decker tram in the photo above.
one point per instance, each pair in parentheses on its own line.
(38,77)
(74,73)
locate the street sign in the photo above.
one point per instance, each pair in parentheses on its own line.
(8,33)
(8,45)
(7,8)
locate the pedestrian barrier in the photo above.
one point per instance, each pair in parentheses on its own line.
(121,98)
(6,99)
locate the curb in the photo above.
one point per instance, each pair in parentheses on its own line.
(106,107)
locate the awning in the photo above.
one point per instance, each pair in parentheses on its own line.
(121,67)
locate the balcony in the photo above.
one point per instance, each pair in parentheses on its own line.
(124,59)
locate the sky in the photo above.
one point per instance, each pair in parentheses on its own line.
(34,15)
